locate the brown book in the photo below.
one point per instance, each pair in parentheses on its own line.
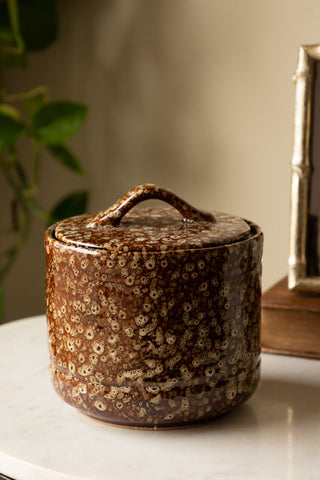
(290,321)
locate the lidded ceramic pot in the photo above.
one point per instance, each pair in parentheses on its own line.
(154,313)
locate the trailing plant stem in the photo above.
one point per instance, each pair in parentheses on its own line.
(24,96)
(10,254)
(23,195)
(25,202)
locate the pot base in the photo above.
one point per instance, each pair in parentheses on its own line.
(197,423)
(181,407)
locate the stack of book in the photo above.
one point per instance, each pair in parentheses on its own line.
(290,321)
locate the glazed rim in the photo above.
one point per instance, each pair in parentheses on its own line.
(123,227)
(72,232)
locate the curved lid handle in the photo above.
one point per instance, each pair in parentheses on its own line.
(114,214)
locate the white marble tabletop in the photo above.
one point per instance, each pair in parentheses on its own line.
(275,435)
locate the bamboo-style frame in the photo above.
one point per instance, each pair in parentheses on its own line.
(298,278)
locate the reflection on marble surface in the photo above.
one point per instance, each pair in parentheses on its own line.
(276,434)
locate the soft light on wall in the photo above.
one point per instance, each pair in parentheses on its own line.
(194,96)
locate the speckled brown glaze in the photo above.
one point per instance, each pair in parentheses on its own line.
(147,229)
(153,338)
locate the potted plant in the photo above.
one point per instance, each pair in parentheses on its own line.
(26,26)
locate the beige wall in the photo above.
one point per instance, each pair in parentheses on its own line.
(193,95)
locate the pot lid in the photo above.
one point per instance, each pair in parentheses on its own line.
(151,229)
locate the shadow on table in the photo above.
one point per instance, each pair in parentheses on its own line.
(274,401)
(275,395)
(270,405)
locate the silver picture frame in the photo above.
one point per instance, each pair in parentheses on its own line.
(304,238)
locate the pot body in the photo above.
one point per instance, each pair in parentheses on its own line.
(154,339)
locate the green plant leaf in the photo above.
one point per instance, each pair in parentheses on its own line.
(38,23)
(11,126)
(69,206)
(66,157)
(31,105)
(56,121)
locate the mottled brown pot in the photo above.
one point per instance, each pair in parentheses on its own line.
(154,318)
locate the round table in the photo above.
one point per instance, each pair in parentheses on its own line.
(276,434)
